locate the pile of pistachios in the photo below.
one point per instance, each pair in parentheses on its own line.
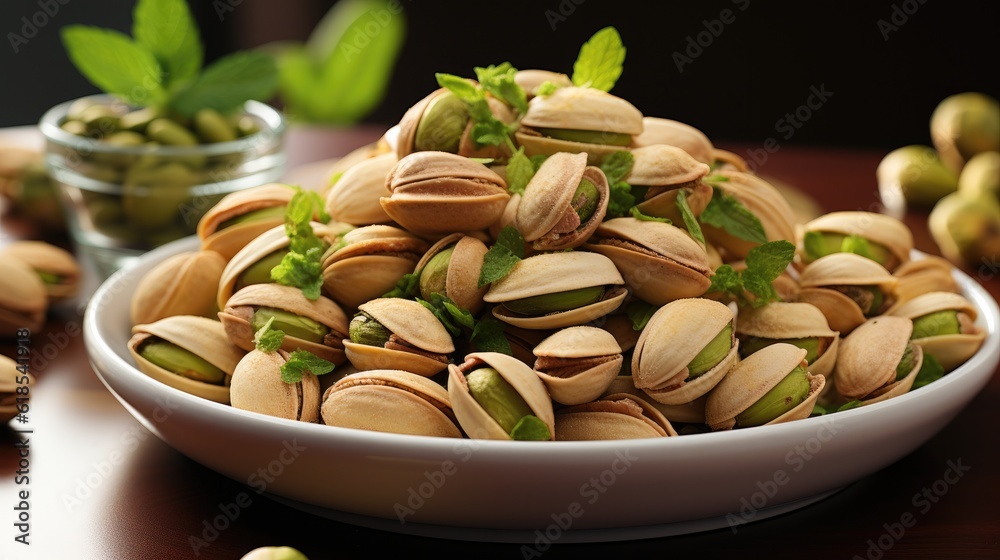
(526,256)
(34,276)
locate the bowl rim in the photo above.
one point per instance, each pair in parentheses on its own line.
(988,356)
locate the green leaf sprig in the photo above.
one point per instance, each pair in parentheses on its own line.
(487,128)
(690,220)
(302,266)
(599,64)
(449,314)
(616,168)
(268,339)
(637,214)
(502,256)
(640,313)
(161,64)
(520,170)
(408,287)
(488,336)
(753,286)
(930,371)
(727,212)
(499,82)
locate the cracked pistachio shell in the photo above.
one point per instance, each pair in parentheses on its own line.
(724,160)
(783,320)
(462,278)
(46,258)
(867,360)
(257,387)
(393,401)
(951,350)
(530,79)
(354,198)
(673,337)
(10,379)
(660,165)
(616,416)
(355,156)
(843,269)
(752,378)
(200,336)
(577,108)
(183,284)
(23,300)
(475,421)
(410,123)
(929,274)
(412,323)
(228,241)
(578,363)
(369,265)
(440,193)
(546,203)
(663,204)
(656,130)
(659,262)
(877,228)
(765,201)
(549,273)
(689,413)
(237,317)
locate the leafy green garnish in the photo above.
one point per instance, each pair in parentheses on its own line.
(302,266)
(637,214)
(530,428)
(502,256)
(546,88)
(930,371)
(690,221)
(408,287)
(753,285)
(453,317)
(849,405)
(267,339)
(299,362)
(520,170)
(112,62)
(537,160)
(640,312)
(301,270)
(818,410)
(599,64)
(499,82)
(487,128)
(488,336)
(616,168)
(727,212)
(177,45)
(228,83)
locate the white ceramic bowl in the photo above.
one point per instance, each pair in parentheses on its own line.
(516,491)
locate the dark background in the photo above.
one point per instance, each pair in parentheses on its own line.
(761,66)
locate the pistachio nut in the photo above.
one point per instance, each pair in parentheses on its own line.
(257,386)
(239,217)
(966,230)
(440,122)
(531,79)
(669,132)
(393,333)
(183,284)
(612,417)
(928,274)
(692,412)
(393,401)
(578,363)
(58,269)
(664,170)
(965,124)
(797,323)
(659,262)
(981,176)
(884,239)
(556,290)
(848,289)
(438,193)
(274,553)
(10,380)
(917,173)
(317,326)
(23,297)
(494,395)
(761,198)
(771,386)
(354,197)
(877,361)
(944,326)
(563,203)
(368,262)
(451,267)
(189,353)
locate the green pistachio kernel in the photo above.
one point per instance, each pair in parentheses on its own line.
(292,325)
(497,397)
(125,139)
(588,136)
(585,200)
(49,278)
(713,353)
(260,271)
(442,124)
(434,276)
(213,127)
(100,120)
(906,363)
(138,120)
(555,302)
(936,324)
(812,346)
(253,216)
(185,363)
(366,330)
(74,127)
(169,133)
(822,243)
(786,395)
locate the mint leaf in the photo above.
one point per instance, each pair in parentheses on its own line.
(620,200)
(303,271)
(502,256)
(849,405)
(537,160)
(300,362)
(448,313)
(764,264)
(930,371)
(637,214)
(640,313)
(546,89)
(408,287)
(726,279)
(113,62)
(818,411)
(520,170)
(617,166)
(166,29)
(530,428)
(267,339)
(690,221)
(461,87)
(599,64)
(229,83)
(499,82)
(488,336)
(727,212)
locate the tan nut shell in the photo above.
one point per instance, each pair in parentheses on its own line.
(23,300)
(586,360)
(951,350)
(530,79)
(45,257)
(689,413)
(257,387)
(413,323)
(286,298)
(668,265)
(10,380)
(227,242)
(929,274)
(440,193)
(885,230)
(467,148)
(392,401)
(199,335)
(547,199)
(473,419)
(548,273)
(867,360)
(462,280)
(616,416)
(354,198)
(183,284)
(674,335)
(839,269)
(752,378)
(765,201)
(784,320)
(660,165)
(656,130)
(371,263)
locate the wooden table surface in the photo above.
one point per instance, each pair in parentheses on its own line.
(103,488)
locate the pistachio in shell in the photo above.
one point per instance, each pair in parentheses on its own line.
(965,124)
(692,412)
(440,122)
(884,239)
(848,289)
(928,274)
(531,79)
(58,269)
(10,379)
(944,326)
(762,199)
(877,361)
(392,401)
(392,333)
(183,284)
(966,230)
(257,386)
(23,298)
(241,216)
(451,267)
(354,197)
(578,363)
(664,170)
(612,417)
(797,323)
(917,174)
